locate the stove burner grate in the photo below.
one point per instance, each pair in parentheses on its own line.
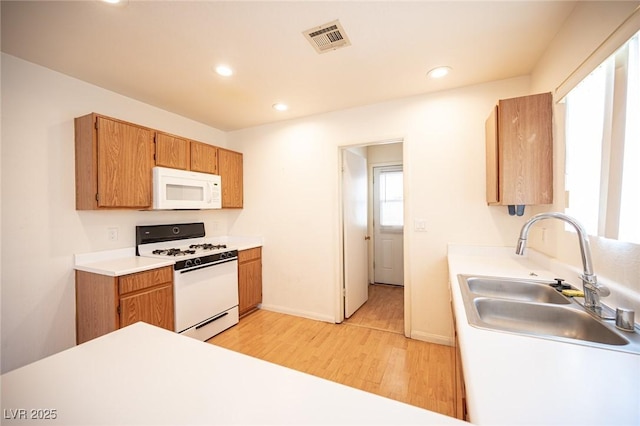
(208,246)
(174,252)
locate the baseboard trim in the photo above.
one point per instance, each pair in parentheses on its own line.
(298,313)
(432,338)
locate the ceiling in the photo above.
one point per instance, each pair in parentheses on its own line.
(163,52)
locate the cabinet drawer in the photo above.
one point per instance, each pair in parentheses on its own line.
(249,254)
(142,280)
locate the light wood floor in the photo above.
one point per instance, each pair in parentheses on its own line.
(384,309)
(382,362)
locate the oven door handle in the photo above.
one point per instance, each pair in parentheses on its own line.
(209,321)
(208,265)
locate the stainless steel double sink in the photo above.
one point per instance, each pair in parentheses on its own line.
(534,308)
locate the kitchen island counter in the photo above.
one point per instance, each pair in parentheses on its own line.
(142,374)
(512,379)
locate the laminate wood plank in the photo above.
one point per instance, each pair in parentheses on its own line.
(381,362)
(384,310)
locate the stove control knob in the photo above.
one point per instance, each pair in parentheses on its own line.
(223,255)
(197,261)
(188,263)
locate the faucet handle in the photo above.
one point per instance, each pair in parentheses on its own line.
(625,319)
(590,282)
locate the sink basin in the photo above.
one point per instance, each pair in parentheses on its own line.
(541,319)
(533,308)
(525,290)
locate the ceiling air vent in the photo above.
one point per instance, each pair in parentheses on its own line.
(327,37)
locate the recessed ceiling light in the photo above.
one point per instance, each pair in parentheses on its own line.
(439,72)
(119,3)
(224,70)
(280,106)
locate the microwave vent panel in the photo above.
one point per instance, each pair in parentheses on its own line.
(330,36)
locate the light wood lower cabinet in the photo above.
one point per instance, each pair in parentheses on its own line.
(460,393)
(105,303)
(249,280)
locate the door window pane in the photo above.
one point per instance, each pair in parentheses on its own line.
(391,198)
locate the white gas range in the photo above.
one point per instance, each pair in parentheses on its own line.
(205,276)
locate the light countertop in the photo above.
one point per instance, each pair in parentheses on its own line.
(119,262)
(512,379)
(142,374)
(124,261)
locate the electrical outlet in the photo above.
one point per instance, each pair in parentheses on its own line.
(112,234)
(420,225)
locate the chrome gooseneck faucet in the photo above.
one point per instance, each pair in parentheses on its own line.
(590,286)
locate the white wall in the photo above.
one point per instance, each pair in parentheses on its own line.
(586,28)
(41,230)
(292,186)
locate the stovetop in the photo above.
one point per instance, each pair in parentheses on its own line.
(182,249)
(178,241)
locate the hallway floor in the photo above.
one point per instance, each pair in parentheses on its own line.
(384,310)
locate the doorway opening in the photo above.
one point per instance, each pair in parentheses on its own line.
(372,236)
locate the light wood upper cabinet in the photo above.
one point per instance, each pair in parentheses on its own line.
(114,161)
(172,151)
(519,149)
(230,170)
(180,153)
(204,158)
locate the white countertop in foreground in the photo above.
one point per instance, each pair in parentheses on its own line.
(146,375)
(515,380)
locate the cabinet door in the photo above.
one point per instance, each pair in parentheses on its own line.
(125,160)
(204,158)
(154,306)
(249,279)
(491,134)
(172,151)
(230,170)
(525,150)
(520,151)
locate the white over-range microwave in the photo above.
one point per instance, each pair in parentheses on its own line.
(175,189)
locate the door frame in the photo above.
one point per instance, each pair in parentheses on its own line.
(339,288)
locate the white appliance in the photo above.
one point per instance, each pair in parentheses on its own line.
(205,278)
(175,189)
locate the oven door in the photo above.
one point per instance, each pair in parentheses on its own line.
(205,292)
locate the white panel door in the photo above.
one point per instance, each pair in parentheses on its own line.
(354,189)
(388,225)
